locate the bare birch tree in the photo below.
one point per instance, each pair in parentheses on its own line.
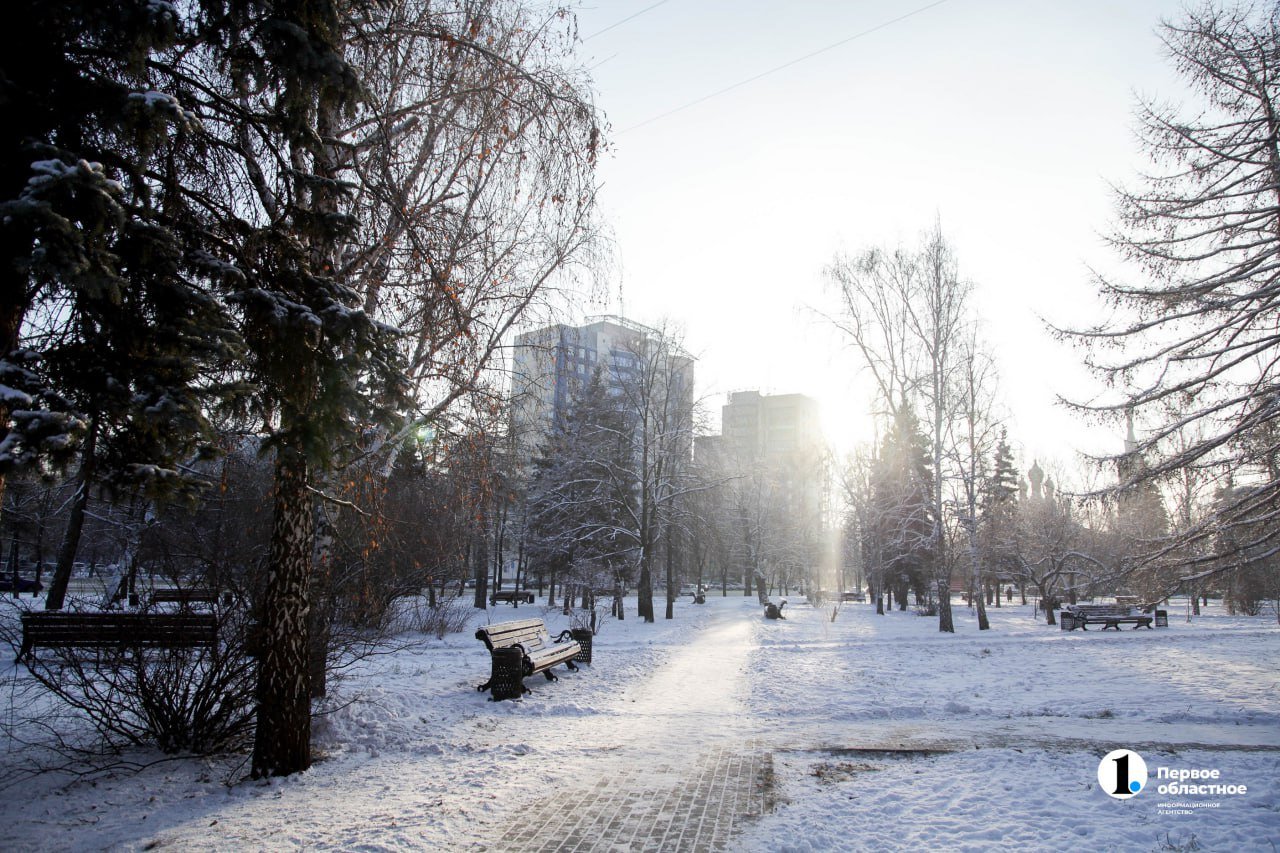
(975,441)
(906,313)
(1193,344)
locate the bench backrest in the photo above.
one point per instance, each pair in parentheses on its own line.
(191,595)
(56,629)
(530,634)
(1102,609)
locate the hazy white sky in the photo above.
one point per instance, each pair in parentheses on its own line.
(1005,118)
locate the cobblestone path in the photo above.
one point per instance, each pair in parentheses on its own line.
(678,779)
(664,808)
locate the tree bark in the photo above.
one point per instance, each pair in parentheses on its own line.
(946,623)
(282,741)
(644,592)
(13,560)
(671,574)
(75,525)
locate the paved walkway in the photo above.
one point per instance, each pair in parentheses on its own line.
(686,762)
(684,773)
(671,808)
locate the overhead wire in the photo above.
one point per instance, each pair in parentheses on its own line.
(778,68)
(624,20)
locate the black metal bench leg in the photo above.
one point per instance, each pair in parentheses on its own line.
(551,676)
(573,667)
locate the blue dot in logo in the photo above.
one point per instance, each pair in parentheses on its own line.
(1135,786)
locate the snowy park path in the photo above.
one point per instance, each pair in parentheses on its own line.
(685,775)
(720,730)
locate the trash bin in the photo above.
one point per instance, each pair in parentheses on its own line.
(506,681)
(1067,620)
(1162,618)
(582,637)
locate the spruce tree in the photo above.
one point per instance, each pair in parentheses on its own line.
(106,336)
(323,370)
(997,520)
(901,486)
(582,495)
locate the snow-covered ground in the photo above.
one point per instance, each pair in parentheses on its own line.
(884,734)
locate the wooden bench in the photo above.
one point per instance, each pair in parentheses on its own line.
(187,596)
(520,649)
(852,596)
(511,596)
(1110,615)
(56,629)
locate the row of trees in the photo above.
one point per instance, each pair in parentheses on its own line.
(609,493)
(907,314)
(1191,344)
(307,225)
(1189,351)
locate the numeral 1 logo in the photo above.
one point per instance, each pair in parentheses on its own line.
(1122,773)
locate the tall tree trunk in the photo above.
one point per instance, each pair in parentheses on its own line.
(644,591)
(13,560)
(321,593)
(983,623)
(479,573)
(75,524)
(282,741)
(976,568)
(945,620)
(671,574)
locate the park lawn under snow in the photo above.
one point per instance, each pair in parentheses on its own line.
(884,733)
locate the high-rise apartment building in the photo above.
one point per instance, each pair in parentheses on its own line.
(782,434)
(773,458)
(552,364)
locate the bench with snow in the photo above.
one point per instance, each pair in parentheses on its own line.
(852,596)
(1110,615)
(511,596)
(56,629)
(520,649)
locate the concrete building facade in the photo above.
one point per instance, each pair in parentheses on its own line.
(551,364)
(772,451)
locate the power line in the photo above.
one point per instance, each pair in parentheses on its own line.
(785,65)
(624,20)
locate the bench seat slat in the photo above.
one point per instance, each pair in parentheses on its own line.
(555,655)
